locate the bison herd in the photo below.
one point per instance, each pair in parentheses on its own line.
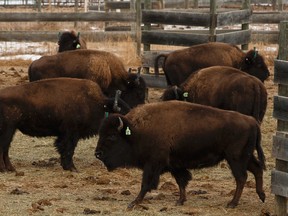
(211,111)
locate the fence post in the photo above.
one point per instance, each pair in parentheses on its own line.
(213,21)
(135,6)
(282,165)
(245,26)
(147,5)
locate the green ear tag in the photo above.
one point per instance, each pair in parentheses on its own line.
(78,46)
(185,94)
(128,131)
(106,114)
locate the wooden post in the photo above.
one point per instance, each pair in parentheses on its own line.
(147,47)
(245,26)
(280,5)
(281,165)
(213,21)
(147,5)
(195,4)
(135,6)
(76,10)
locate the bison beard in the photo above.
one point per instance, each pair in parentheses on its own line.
(69,109)
(201,137)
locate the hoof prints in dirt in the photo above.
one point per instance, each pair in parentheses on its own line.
(51,162)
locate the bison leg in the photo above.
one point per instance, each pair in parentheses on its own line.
(150,180)
(255,168)
(6,138)
(7,161)
(66,146)
(182,176)
(240,174)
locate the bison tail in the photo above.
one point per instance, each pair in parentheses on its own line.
(260,153)
(156,63)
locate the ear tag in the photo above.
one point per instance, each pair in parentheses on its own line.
(106,114)
(78,46)
(185,95)
(128,131)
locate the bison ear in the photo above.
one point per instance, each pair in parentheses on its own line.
(121,127)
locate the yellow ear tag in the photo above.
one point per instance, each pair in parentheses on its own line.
(78,46)
(128,131)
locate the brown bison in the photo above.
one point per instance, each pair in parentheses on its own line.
(225,88)
(68,108)
(69,40)
(179,64)
(102,67)
(174,136)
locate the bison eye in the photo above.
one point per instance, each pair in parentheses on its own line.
(98,154)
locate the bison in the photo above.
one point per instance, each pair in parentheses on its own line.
(69,40)
(225,88)
(102,67)
(174,136)
(67,108)
(179,64)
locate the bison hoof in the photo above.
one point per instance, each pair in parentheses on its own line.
(231,205)
(132,205)
(262,196)
(180,202)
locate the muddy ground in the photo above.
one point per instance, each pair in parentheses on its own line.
(41,187)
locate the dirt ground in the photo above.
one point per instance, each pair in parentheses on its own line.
(41,187)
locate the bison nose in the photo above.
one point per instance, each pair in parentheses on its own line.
(99,154)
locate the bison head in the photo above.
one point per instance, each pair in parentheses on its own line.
(114,148)
(254,64)
(70,41)
(116,105)
(136,90)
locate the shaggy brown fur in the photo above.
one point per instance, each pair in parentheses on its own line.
(70,109)
(102,67)
(179,64)
(175,136)
(225,88)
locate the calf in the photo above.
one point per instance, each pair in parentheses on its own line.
(70,109)
(179,64)
(69,40)
(225,88)
(102,67)
(175,136)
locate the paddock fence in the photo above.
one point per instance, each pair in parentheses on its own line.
(279,176)
(145,26)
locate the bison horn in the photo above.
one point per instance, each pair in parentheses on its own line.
(116,108)
(78,35)
(120,124)
(255,53)
(137,80)
(176,92)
